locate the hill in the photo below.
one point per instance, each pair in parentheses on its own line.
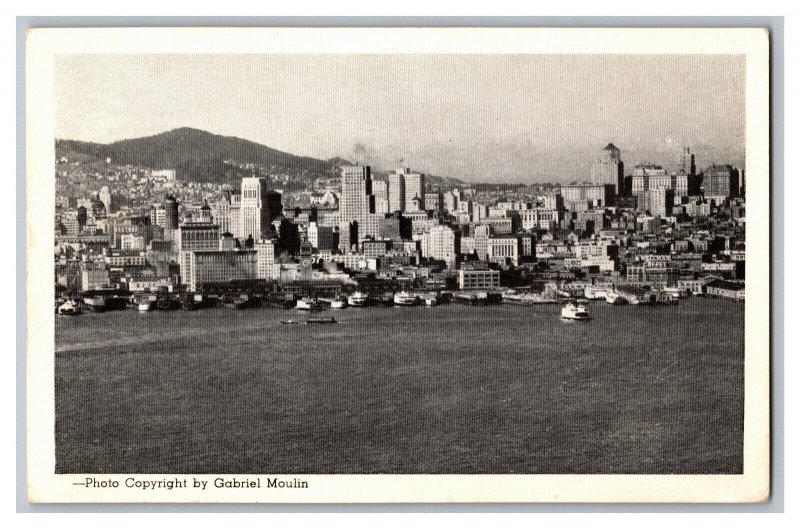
(201,156)
(198,156)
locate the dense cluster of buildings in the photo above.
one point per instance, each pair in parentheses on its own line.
(654,229)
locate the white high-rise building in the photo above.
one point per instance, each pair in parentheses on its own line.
(356,205)
(258,207)
(380,190)
(415,191)
(397,192)
(265,259)
(441,244)
(609,169)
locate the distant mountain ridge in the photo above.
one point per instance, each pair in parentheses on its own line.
(200,156)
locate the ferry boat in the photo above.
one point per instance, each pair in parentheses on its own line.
(338,304)
(405,299)
(95,303)
(358,299)
(575,311)
(69,308)
(431,301)
(308,304)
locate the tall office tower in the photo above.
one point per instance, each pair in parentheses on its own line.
(259,207)
(170,213)
(355,205)
(221,213)
(397,192)
(721,181)
(415,189)
(380,190)
(609,169)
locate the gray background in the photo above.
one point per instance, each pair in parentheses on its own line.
(776,27)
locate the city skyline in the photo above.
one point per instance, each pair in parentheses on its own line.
(479,118)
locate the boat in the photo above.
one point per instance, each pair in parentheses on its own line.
(338,304)
(321,320)
(615,298)
(95,303)
(239,303)
(675,293)
(166,303)
(145,305)
(405,299)
(308,304)
(69,308)
(430,302)
(358,299)
(290,322)
(478,298)
(575,311)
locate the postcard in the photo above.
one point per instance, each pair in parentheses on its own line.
(398,265)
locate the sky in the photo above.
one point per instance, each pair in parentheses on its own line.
(486,118)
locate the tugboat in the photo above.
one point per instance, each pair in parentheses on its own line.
(144,304)
(575,311)
(243,302)
(69,308)
(405,299)
(358,299)
(308,304)
(290,322)
(338,304)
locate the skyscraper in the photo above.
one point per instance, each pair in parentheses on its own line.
(107,199)
(397,192)
(356,204)
(415,188)
(259,207)
(609,169)
(170,213)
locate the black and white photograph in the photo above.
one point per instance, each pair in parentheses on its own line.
(277,265)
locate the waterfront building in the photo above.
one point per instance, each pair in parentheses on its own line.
(94,277)
(478,279)
(220,266)
(726,289)
(265,259)
(609,169)
(191,238)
